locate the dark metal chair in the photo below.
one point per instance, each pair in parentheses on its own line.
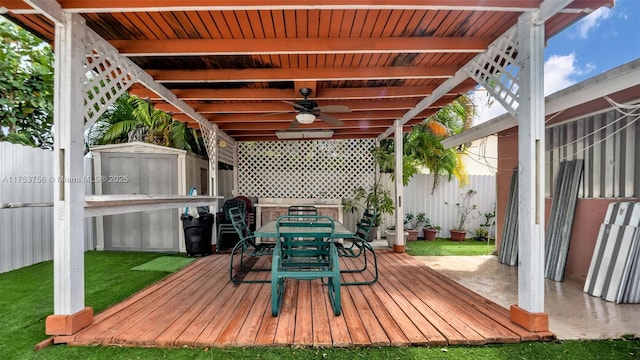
(225,227)
(246,246)
(359,248)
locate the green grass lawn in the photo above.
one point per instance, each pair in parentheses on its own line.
(26,299)
(446,247)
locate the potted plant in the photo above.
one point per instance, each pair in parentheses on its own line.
(390,234)
(482,233)
(430,230)
(414,224)
(466,212)
(375,197)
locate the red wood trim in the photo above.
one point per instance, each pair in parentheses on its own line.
(69,324)
(537,322)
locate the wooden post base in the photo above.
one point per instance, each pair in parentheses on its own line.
(68,324)
(398,248)
(536,322)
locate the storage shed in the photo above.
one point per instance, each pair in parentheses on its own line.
(140,168)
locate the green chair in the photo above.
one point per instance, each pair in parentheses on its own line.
(302,210)
(247,246)
(360,247)
(305,250)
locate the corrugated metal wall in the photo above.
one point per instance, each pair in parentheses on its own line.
(608,144)
(26,234)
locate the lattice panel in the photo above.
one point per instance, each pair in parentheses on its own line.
(209,135)
(305,169)
(497,70)
(109,75)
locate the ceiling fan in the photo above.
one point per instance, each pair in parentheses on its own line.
(308,111)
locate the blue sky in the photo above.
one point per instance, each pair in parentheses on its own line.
(606,38)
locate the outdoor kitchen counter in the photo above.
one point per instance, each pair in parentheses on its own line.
(268,209)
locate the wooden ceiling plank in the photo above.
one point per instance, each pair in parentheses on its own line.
(369,23)
(277,17)
(313,23)
(211,25)
(358,24)
(221,24)
(392,23)
(346,28)
(267,24)
(232,23)
(325,24)
(198,24)
(302,21)
(159,22)
(248,30)
(290,25)
(255,22)
(335,24)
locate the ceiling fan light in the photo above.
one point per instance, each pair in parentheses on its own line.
(305,118)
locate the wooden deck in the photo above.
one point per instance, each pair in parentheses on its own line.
(198,306)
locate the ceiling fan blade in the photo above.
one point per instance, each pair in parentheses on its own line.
(330,119)
(294,124)
(296,106)
(334,109)
(275,113)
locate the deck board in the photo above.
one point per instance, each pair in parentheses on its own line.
(411,304)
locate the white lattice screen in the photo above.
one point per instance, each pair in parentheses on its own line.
(497,70)
(305,169)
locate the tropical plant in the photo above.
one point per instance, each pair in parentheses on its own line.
(414,221)
(131,118)
(422,147)
(26,91)
(375,197)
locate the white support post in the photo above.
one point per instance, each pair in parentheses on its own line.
(236,182)
(68,260)
(399,246)
(529,311)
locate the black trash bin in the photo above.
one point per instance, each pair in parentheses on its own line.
(197,233)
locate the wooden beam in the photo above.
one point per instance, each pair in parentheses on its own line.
(356,115)
(380,124)
(93,6)
(279,74)
(196,47)
(270,107)
(388,92)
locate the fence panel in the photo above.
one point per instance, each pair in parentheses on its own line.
(418,198)
(26,234)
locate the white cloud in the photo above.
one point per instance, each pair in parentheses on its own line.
(559,73)
(558,70)
(592,21)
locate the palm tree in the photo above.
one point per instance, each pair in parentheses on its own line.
(424,141)
(422,147)
(131,118)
